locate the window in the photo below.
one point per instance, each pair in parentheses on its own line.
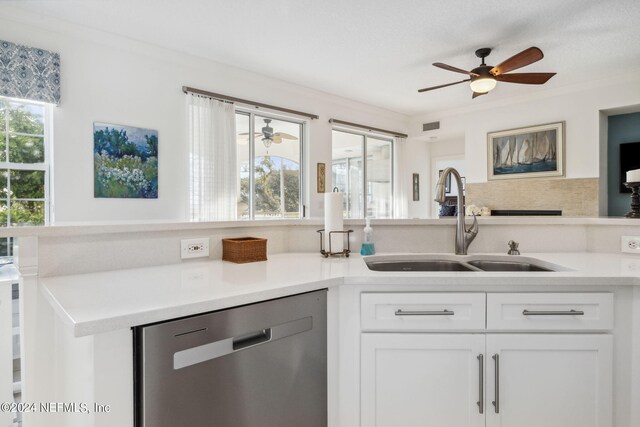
(368,185)
(24,163)
(269,164)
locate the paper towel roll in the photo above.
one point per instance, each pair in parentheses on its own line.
(333,221)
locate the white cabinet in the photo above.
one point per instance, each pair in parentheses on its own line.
(420,311)
(549,380)
(550,311)
(413,380)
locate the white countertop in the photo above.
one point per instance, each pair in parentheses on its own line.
(92,228)
(107,301)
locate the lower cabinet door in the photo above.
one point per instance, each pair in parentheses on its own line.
(411,380)
(549,380)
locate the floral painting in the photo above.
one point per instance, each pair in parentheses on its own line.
(125,162)
(535,151)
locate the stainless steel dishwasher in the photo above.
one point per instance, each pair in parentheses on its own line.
(259,365)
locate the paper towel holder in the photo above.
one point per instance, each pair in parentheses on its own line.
(326,253)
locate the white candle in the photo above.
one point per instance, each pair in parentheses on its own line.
(333,221)
(633,176)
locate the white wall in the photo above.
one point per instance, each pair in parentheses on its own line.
(111,79)
(579,106)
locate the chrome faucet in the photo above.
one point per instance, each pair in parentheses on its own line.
(464,235)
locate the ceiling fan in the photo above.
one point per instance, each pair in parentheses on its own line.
(268,136)
(485,77)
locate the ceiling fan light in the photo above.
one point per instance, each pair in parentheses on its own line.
(483,84)
(267,142)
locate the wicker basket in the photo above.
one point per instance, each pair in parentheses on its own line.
(244,249)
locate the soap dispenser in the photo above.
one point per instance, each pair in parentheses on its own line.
(367,242)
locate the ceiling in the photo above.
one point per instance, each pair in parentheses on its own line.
(378,51)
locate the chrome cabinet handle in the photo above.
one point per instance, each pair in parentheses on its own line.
(496,402)
(481,383)
(444,312)
(553,313)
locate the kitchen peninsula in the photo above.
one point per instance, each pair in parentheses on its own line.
(89,314)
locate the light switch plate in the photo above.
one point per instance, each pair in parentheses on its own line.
(194,248)
(630,244)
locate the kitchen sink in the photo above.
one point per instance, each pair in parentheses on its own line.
(491,265)
(468,263)
(417,265)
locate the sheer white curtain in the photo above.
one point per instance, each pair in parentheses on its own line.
(213,166)
(401,180)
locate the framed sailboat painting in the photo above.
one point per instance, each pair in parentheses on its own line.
(531,152)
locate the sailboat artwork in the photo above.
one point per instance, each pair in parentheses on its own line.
(535,151)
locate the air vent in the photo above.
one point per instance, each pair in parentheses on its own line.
(430,126)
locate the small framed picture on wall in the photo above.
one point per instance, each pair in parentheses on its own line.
(321,178)
(416,187)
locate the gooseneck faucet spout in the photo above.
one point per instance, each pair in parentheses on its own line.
(464,235)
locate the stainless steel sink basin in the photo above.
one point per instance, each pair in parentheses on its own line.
(417,265)
(490,265)
(468,263)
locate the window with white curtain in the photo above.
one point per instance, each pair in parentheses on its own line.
(270,172)
(362,168)
(212,159)
(243,165)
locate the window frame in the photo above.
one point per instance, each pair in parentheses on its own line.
(45,166)
(252,157)
(365,137)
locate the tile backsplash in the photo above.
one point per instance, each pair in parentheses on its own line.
(574,197)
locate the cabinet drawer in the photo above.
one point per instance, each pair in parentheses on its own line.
(422,311)
(550,311)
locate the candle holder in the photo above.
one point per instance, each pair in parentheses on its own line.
(635,199)
(344,252)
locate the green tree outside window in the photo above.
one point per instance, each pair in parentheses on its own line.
(22,191)
(268,191)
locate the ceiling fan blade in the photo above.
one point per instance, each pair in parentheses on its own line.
(519,60)
(477,94)
(525,78)
(283,135)
(438,87)
(454,69)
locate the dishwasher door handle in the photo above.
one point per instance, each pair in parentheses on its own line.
(254,338)
(213,350)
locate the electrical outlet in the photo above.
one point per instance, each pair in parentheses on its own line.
(194,248)
(631,244)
